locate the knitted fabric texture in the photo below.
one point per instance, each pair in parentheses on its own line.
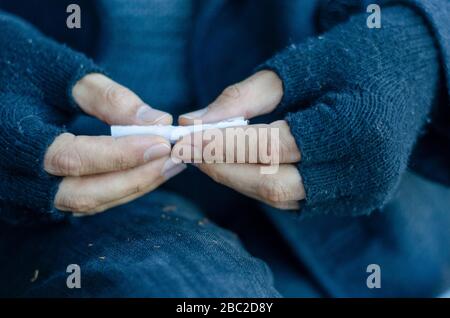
(156,35)
(360,97)
(37,77)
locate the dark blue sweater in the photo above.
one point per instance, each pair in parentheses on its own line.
(355,98)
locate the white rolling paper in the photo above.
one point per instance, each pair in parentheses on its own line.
(173,133)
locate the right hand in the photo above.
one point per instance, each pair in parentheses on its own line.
(101,172)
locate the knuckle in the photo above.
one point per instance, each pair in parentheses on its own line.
(275,149)
(238,99)
(117,95)
(233,92)
(64,159)
(120,160)
(272,189)
(137,188)
(68,162)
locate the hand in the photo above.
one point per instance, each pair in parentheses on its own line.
(42,89)
(102,172)
(257,95)
(355,123)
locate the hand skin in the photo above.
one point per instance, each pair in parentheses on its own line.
(101,172)
(257,95)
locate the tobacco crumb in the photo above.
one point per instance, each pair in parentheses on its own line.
(35,276)
(202,222)
(169,208)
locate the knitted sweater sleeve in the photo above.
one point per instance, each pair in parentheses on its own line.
(358,98)
(36,79)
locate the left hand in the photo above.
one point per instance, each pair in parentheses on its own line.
(257,95)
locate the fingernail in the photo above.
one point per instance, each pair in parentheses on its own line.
(171,169)
(156,151)
(196,114)
(149,115)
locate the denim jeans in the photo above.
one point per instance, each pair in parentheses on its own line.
(159,245)
(162,245)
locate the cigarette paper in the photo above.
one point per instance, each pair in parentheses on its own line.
(174,133)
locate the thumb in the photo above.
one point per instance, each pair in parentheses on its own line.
(101,97)
(257,95)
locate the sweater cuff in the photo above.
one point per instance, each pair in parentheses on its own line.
(59,79)
(302,73)
(340,176)
(31,201)
(25,135)
(27,191)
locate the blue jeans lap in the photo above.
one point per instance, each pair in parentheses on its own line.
(159,245)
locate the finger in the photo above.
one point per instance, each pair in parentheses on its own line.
(92,194)
(170,169)
(257,95)
(281,189)
(115,104)
(267,144)
(114,203)
(71,155)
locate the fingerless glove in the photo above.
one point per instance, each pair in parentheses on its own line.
(36,79)
(356,100)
